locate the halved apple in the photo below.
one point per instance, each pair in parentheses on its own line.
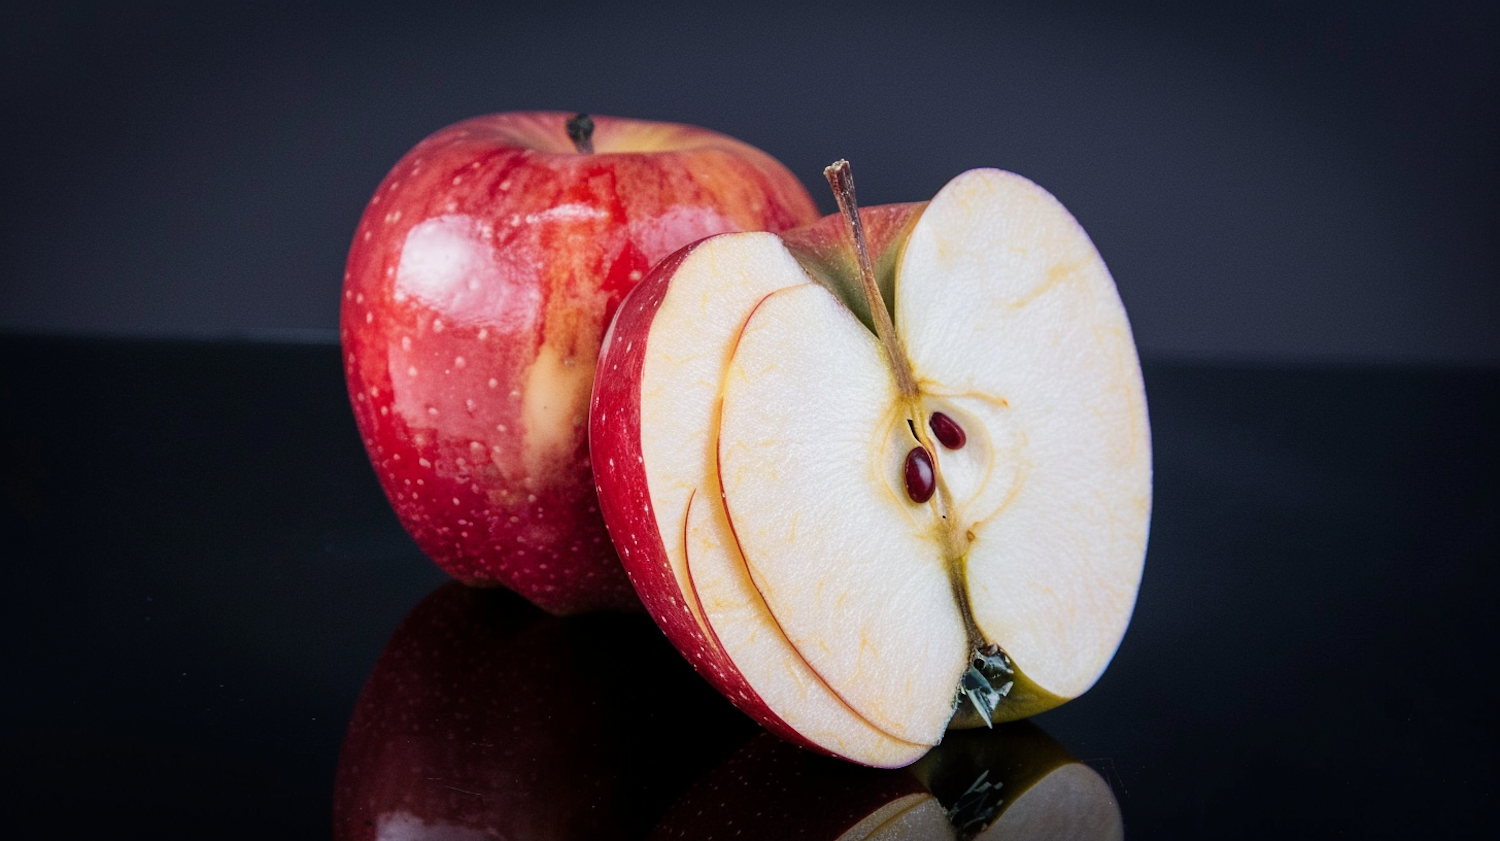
(863,488)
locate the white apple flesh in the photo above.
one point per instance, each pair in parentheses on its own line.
(834,501)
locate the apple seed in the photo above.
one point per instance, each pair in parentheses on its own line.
(921,480)
(947,430)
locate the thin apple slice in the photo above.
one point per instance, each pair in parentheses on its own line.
(995,263)
(715,287)
(749,637)
(811,445)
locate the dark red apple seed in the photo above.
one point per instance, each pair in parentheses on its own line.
(947,430)
(920,479)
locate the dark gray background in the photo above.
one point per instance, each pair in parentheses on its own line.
(1279,181)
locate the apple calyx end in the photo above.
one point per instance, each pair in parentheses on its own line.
(986,683)
(580,129)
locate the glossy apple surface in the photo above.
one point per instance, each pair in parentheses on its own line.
(864,494)
(479,284)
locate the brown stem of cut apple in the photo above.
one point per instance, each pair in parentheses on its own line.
(841,179)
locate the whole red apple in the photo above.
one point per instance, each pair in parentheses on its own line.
(480,282)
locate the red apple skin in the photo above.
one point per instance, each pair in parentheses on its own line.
(478,287)
(476,722)
(623,492)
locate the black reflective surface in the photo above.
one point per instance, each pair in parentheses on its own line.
(202,574)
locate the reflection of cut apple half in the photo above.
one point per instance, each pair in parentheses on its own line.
(858,492)
(1070,803)
(1013,783)
(1019,783)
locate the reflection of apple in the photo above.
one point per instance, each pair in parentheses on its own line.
(475,724)
(857,492)
(771,788)
(1017,782)
(1014,782)
(479,284)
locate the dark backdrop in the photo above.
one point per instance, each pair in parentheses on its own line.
(1304,181)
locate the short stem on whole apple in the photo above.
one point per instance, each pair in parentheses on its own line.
(581,131)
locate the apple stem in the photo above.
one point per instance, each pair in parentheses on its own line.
(581,132)
(842,181)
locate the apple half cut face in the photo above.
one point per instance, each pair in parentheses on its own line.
(869,515)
